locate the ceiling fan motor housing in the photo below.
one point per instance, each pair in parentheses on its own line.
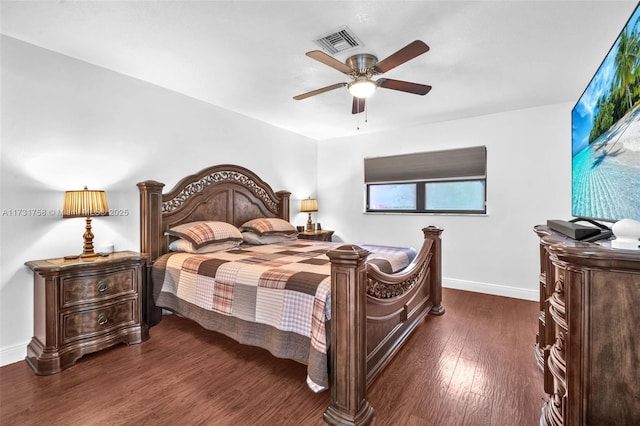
(362,63)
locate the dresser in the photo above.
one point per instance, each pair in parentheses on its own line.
(588,341)
(85,305)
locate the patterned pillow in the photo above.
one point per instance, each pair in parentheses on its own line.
(206,232)
(186,247)
(269,226)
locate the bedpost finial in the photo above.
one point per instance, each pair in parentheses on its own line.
(432,231)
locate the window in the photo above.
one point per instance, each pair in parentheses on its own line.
(457,196)
(400,196)
(451,181)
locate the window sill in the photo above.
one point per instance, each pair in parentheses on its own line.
(427,214)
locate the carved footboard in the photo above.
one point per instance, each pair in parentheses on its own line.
(372,314)
(397,302)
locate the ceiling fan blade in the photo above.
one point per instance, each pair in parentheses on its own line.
(320,56)
(403,86)
(358,105)
(403,55)
(318,91)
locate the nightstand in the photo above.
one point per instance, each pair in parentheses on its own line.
(83,306)
(324,235)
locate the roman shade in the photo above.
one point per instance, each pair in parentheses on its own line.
(459,163)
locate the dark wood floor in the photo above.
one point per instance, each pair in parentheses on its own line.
(472,366)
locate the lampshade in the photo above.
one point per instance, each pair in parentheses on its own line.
(85,203)
(362,87)
(309,205)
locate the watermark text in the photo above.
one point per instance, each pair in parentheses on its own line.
(31,212)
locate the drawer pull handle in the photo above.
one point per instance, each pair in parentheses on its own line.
(102,286)
(102,319)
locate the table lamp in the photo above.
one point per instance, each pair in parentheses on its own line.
(85,203)
(309,205)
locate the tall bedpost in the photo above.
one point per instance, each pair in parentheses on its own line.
(433,233)
(150,242)
(151,218)
(348,346)
(284,206)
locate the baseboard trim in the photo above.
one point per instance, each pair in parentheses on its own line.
(13,354)
(494,289)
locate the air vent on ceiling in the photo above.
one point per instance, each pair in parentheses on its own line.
(338,40)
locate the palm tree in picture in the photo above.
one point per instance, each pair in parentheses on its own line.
(626,60)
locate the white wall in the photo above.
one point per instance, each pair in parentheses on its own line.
(67,123)
(528,162)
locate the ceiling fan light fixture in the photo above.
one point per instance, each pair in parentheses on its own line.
(362,88)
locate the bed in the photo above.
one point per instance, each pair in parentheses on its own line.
(361,302)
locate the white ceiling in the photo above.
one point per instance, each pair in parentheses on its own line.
(249,56)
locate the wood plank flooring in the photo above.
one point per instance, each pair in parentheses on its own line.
(472,366)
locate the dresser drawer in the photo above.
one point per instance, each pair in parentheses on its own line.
(558,365)
(99,320)
(77,290)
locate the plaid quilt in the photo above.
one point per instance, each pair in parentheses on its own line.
(280,288)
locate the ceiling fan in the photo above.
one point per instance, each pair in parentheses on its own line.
(362,67)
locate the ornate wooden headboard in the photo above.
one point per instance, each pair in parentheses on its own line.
(225,192)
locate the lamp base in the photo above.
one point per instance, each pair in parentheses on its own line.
(87,249)
(309,223)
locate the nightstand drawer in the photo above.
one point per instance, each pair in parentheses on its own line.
(82,289)
(81,324)
(323,235)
